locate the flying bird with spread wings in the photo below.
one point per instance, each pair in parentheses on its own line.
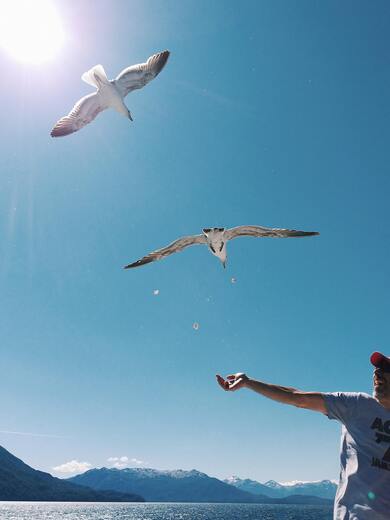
(109,94)
(216,239)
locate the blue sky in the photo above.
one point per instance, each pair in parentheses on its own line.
(273,113)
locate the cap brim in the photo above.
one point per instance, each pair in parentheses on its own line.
(379,360)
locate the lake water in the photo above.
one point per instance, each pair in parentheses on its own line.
(84,511)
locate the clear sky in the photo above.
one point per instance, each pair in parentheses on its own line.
(268,112)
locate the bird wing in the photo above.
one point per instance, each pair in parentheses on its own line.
(137,76)
(174,247)
(261,231)
(84,111)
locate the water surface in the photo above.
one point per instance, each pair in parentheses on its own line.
(158,511)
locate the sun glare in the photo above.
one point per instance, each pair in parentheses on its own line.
(30,30)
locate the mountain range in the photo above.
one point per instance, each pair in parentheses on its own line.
(18,481)
(183,486)
(163,486)
(271,488)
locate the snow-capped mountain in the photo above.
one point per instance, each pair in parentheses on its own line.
(320,488)
(165,486)
(183,486)
(252,486)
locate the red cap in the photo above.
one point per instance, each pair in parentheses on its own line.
(380,360)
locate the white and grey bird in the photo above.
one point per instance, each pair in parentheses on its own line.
(109,94)
(216,239)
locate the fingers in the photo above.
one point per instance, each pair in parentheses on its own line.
(232,382)
(220,379)
(235,376)
(237,384)
(222,383)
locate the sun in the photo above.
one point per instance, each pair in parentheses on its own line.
(30,30)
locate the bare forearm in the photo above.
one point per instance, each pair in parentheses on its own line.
(282,394)
(287,395)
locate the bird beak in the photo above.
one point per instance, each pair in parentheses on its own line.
(224,264)
(131,119)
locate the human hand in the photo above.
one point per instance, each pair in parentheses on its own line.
(233,382)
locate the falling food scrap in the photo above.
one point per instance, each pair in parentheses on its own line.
(234,280)
(156,292)
(195,326)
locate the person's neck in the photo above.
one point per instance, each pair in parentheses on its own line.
(384,401)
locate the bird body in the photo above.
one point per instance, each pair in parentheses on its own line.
(109,93)
(216,240)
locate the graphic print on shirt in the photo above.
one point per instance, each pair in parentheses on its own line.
(382,434)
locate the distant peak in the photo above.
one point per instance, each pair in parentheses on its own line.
(307,482)
(233,478)
(273,484)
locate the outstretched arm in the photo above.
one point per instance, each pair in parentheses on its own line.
(309,400)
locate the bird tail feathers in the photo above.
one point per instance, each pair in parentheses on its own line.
(95,76)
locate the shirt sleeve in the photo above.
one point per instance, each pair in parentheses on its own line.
(341,405)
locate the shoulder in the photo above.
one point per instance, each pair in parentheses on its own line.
(341,405)
(346,396)
(368,402)
(366,398)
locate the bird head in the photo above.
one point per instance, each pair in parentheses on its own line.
(215,230)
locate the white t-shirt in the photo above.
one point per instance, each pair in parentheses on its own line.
(364,488)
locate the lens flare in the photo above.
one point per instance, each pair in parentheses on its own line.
(30,31)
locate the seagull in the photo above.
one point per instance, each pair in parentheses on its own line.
(216,239)
(109,94)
